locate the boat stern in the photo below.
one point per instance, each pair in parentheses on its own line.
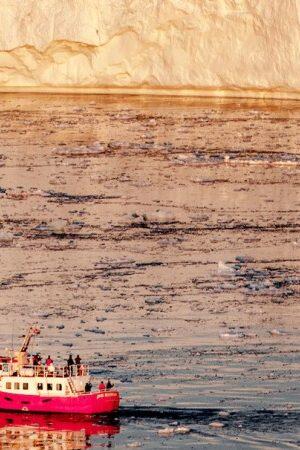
(105,402)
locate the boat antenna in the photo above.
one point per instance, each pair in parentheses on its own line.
(12,340)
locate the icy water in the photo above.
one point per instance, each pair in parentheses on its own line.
(158,238)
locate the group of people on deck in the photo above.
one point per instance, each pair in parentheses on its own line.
(107,386)
(70,369)
(102,386)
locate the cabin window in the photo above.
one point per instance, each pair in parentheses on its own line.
(49,386)
(25,386)
(59,387)
(17,386)
(40,386)
(8,385)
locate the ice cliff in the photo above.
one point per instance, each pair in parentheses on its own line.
(222,47)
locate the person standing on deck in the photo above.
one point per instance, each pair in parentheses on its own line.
(101,386)
(78,364)
(49,361)
(70,363)
(109,385)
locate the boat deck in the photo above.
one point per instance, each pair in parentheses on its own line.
(43,371)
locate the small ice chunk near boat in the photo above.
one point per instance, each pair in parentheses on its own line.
(168,431)
(216,424)
(182,430)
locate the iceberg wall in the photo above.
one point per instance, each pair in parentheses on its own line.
(184,47)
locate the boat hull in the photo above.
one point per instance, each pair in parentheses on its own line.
(90,403)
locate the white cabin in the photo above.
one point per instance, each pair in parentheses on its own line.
(39,380)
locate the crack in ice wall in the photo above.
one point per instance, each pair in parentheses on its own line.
(242,47)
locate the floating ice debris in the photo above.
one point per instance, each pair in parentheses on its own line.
(158,216)
(95,330)
(223,414)
(63,197)
(183,157)
(78,109)
(42,315)
(94,150)
(41,227)
(97,145)
(250,335)
(164,398)
(58,226)
(59,246)
(223,269)
(244,259)
(231,335)
(6,238)
(216,424)
(57,180)
(134,444)
(276,332)
(154,300)
(168,431)
(22,195)
(182,430)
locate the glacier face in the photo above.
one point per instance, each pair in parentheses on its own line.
(247,47)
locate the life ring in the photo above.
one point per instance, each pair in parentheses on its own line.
(25,409)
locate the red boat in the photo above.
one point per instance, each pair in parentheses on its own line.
(49,388)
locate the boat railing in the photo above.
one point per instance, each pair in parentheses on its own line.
(45,371)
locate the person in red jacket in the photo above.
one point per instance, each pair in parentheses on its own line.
(101,386)
(49,361)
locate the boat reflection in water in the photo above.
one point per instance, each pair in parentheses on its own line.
(60,432)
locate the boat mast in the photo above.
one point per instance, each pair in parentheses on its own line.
(33,331)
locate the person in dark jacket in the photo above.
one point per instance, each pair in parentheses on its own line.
(109,385)
(88,387)
(70,361)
